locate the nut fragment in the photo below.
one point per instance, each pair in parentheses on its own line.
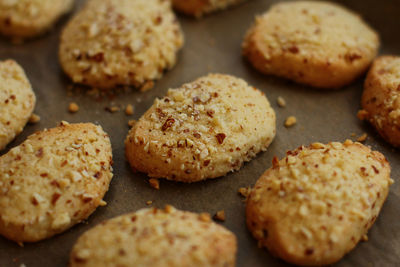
(220,216)
(154,183)
(112,109)
(281,102)
(129,110)
(220,138)
(290,121)
(362,138)
(73,107)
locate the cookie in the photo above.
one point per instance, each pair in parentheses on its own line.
(198,8)
(313,206)
(53,180)
(381,98)
(204,129)
(120,42)
(28,18)
(153,237)
(316,43)
(17,101)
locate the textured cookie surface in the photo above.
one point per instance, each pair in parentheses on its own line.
(112,42)
(381,98)
(316,43)
(53,180)
(17,101)
(203,129)
(151,237)
(314,206)
(27,18)
(198,8)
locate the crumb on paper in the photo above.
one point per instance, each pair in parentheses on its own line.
(112,109)
(220,216)
(362,114)
(147,86)
(102,203)
(73,107)
(155,183)
(129,110)
(244,191)
(362,138)
(281,102)
(34,118)
(131,123)
(290,121)
(353,134)
(149,202)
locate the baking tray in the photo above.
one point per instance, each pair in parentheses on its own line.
(213,44)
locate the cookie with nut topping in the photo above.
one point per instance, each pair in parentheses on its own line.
(198,8)
(314,206)
(153,237)
(29,18)
(204,129)
(316,43)
(53,180)
(381,98)
(17,101)
(120,42)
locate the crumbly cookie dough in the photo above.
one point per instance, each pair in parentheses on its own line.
(204,129)
(152,237)
(316,43)
(53,180)
(17,101)
(29,18)
(120,42)
(313,206)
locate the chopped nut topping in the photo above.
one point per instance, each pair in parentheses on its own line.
(34,118)
(129,110)
(168,123)
(290,121)
(220,216)
(73,107)
(220,138)
(281,102)
(155,183)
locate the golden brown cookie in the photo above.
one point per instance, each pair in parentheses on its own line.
(17,101)
(53,180)
(28,18)
(317,43)
(313,206)
(204,129)
(381,98)
(198,8)
(120,42)
(152,237)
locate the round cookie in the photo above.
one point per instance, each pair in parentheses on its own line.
(17,101)
(311,42)
(152,237)
(198,8)
(313,206)
(381,98)
(28,18)
(53,180)
(204,129)
(120,42)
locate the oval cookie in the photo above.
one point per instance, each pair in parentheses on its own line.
(315,43)
(203,129)
(198,8)
(152,237)
(17,101)
(381,98)
(314,205)
(53,180)
(28,18)
(120,42)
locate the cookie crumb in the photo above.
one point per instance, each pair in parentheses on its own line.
(154,183)
(281,102)
(112,109)
(34,118)
(220,216)
(147,86)
(149,202)
(353,134)
(362,114)
(362,138)
(73,107)
(129,110)
(131,123)
(290,121)
(205,217)
(244,191)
